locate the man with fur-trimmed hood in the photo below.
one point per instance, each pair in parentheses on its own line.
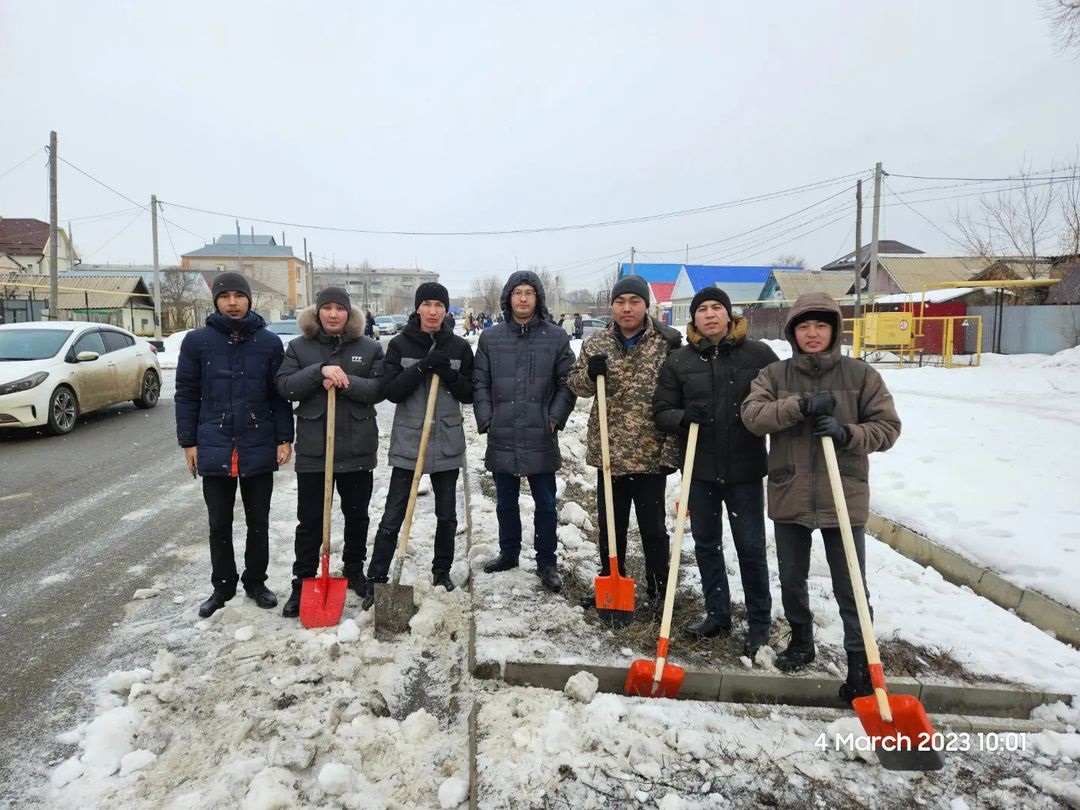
(706,382)
(332,355)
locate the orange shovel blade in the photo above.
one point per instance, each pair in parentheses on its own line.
(322,600)
(614,592)
(905,744)
(640,683)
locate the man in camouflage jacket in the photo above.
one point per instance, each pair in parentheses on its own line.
(629,354)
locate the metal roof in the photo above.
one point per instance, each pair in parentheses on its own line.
(793,283)
(95,292)
(912,272)
(23,237)
(651,272)
(247,251)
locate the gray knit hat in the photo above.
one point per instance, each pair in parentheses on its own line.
(630,285)
(333,295)
(230,281)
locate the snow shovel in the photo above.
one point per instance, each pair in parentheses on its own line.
(394,604)
(659,678)
(614,593)
(897,724)
(322,598)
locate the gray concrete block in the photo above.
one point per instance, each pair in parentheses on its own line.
(792,690)
(998,591)
(953,567)
(980,699)
(1050,615)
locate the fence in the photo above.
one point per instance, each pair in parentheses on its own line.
(1028,329)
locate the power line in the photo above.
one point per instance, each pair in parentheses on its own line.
(918,213)
(109,215)
(168,233)
(107,241)
(1040,172)
(20,164)
(545,229)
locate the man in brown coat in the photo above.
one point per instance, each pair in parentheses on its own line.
(816,393)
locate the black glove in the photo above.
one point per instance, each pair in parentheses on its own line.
(597,365)
(828,425)
(817,404)
(698,412)
(435,361)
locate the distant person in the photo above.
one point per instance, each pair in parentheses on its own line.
(331,354)
(705,383)
(369,325)
(579,326)
(819,392)
(520,399)
(235,430)
(426,347)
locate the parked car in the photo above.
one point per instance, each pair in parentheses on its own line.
(590,326)
(285,329)
(52,371)
(386,325)
(400,320)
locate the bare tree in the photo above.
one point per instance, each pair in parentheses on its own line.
(485,294)
(1064,19)
(789,260)
(179,299)
(1014,224)
(1069,198)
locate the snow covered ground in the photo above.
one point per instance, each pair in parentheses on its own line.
(248,709)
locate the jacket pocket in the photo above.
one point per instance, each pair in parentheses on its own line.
(853,468)
(363,435)
(310,434)
(451,436)
(781,475)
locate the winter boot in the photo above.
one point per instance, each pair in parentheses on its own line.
(709,627)
(215,603)
(549,578)
(755,639)
(858,678)
(504,562)
(291,608)
(442,578)
(358,584)
(261,596)
(800,650)
(369,597)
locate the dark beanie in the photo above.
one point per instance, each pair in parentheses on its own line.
(230,281)
(823,315)
(431,291)
(333,295)
(630,285)
(710,294)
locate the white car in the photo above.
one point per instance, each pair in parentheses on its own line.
(52,371)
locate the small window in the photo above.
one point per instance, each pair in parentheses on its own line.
(91,342)
(116,340)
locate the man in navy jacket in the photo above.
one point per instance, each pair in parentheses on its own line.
(235,428)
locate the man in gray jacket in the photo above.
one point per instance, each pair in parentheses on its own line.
(332,355)
(425,347)
(521,398)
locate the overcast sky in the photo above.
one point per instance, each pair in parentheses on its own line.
(463,116)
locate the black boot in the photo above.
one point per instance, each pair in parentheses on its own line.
(358,584)
(261,596)
(588,600)
(800,650)
(215,603)
(442,578)
(369,597)
(504,562)
(709,627)
(549,578)
(755,639)
(858,678)
(292,605)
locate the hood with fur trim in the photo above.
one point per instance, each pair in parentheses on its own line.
(736,333)
(308,322)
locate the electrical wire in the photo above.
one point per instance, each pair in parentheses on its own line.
(109,215)
(111,238)
(20,164)
(1023,175)
(919,214)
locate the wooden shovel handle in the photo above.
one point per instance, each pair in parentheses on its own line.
(605,458)
(418,472)
(873,656)
(676,552)
(328,467)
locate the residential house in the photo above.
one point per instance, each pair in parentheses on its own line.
(25,246)
(744,285)
(383,290)
(784,286)
(268,301)
(259,257)
(122,300)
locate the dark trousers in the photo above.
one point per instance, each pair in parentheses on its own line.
(444,485)
(793,556)
(646,493)
(354,492)
(219,492)
(746,515)
(507,492)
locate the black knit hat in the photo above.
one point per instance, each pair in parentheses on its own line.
(630,285)
(822,315)
(710,294)
(333,295)
(431,291)
(230,281)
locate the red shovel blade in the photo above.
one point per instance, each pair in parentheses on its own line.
(640,683)
(614,592)
(322,598)
(905,744)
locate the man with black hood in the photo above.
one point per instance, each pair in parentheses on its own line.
(819,392)
(426,346)
(521,398)
(332,354)
(705,382)
(235,429)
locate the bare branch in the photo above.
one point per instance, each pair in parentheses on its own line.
(1064,19)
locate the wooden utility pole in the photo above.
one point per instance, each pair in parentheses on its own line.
(632,253)
(858,250)
(54,281)
(874,236)
(239,269)
(311,273)
(157,277)
(309,280)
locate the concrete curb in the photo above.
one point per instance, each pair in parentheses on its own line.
(982,699)
(1031,606)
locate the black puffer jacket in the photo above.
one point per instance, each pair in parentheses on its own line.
(356,435)
(720,376)
(519,387)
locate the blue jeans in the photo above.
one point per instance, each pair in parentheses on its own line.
(507,491)
(746,514)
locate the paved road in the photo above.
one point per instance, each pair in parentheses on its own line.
(85,519)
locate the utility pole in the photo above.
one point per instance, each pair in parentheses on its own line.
(54,281)
(238,268)
(858,250)
(874,236)
(632,253)
(311,264)
(309,281)
(157,276)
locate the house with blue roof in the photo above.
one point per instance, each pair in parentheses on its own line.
(743,285)
(663,273)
